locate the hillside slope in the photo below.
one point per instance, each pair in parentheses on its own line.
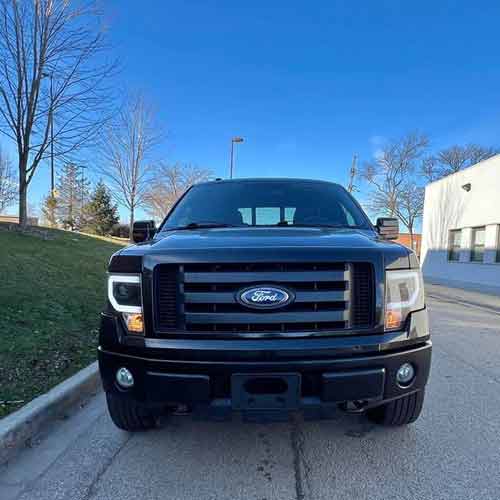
(51,293)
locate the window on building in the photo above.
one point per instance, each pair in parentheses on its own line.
(477,249)
(498,244)
(455,245)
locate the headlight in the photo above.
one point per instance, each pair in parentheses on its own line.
(404,293)
(124,294)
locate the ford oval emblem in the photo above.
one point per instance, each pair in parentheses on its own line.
(265,297)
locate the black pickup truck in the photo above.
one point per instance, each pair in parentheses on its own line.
(262,297)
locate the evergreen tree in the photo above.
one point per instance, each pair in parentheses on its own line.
(72,195)
(84,197)
(49,210)
(67,196)
(100,214)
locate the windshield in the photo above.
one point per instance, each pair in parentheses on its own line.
(267,203)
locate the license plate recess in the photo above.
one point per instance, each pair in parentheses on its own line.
(265,391)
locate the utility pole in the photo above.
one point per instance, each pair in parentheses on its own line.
(51,125)
(52,188)
(231,164)
(83,167)
(353,174)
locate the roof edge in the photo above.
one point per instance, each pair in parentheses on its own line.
(480,163)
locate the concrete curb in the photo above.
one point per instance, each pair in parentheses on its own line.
(18,428)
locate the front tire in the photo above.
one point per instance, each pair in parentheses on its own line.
(128,415)
(401,411)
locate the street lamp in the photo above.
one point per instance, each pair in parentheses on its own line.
(233,141)
(51,118)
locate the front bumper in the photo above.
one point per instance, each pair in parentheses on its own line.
(367,378)
(323,373)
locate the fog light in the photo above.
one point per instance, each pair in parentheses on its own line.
(405,374)
(124,378)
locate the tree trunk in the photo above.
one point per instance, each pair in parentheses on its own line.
(410,232)
(131,229)
(23,193)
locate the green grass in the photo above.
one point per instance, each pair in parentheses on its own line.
(51,294)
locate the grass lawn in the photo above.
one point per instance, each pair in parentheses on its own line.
(51,294)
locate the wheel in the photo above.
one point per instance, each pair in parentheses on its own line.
(128,415)
(401,411)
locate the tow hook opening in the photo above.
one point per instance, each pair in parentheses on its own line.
(353,406)
(180,410)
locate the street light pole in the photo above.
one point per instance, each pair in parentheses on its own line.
(231,160)
(231,167)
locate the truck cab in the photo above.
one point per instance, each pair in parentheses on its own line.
(260,298)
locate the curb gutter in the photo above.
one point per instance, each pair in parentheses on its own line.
(17,429)
(464,302)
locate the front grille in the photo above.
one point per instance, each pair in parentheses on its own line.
(201,298)
(363,313)
(167,297)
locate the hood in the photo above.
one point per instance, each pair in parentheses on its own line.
(265,243)
(262,237)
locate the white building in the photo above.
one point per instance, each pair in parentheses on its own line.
(461,228)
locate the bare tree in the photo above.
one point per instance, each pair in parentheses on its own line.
(410,207)
(126,149)
(53,81)
(393,176)
(8,185)
(169,183)
(455,158)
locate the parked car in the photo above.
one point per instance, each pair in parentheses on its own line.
(263,297)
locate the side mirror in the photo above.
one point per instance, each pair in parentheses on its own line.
(143,230)
(388,228)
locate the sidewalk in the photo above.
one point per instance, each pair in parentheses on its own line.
(487,301)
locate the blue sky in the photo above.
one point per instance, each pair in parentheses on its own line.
(307,84)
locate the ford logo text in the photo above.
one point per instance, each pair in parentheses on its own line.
(265,297)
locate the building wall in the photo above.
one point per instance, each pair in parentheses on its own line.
(448,206)
(14,219)
(404,239)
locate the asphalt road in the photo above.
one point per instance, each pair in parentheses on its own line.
(452,452)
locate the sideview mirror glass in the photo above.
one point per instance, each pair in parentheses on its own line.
(388,228)
(143,230)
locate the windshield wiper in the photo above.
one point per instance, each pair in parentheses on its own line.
(336,226)
(200,225)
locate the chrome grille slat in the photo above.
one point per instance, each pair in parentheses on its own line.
(264,277)
(230,297)
(258,318)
